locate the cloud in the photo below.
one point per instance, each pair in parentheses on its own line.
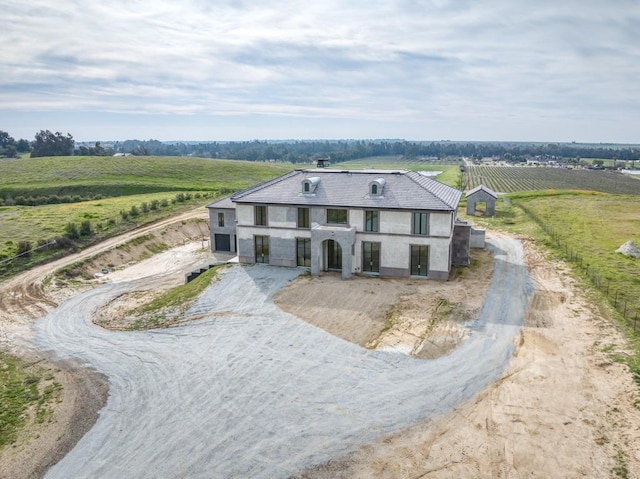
(426,62)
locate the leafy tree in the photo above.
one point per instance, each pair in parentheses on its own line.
(52,144)
(7,145)
(23,145)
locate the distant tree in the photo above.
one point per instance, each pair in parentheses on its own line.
(52,144)
(23,145)
(7,145)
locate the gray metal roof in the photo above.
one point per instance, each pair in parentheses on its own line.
(407,190)
(481,188)
(224,203)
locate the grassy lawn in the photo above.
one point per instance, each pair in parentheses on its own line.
(587,229)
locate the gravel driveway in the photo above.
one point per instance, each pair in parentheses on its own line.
(251,391)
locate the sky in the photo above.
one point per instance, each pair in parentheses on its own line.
(203,70)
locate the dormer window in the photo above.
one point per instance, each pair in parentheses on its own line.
(376,187)
(309,185)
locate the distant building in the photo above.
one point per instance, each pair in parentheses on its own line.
(378,222)
(323,163)
(481,194)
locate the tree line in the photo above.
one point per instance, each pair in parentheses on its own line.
(47,143)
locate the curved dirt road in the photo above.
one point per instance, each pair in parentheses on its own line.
(250,391)
(23,299)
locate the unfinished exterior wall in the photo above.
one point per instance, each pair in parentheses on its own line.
(480,195)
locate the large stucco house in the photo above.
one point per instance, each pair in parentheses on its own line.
(379,222)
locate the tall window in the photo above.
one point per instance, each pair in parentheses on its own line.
(374,189)
(337,216)
(371,221)
(370,257)
(260,215)
(420,222)
(262,249)
(303,247)
(419,260)
(303,217)
(221,220)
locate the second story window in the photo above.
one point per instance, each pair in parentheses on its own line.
(260,215)
(337,216)
(221,220)
(303,217)
(371,222)
(420,224)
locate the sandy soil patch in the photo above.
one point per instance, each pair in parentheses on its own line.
(417,317)
(563,408)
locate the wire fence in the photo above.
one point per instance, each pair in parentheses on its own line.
(627,305)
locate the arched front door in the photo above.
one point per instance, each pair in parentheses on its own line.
(334,256)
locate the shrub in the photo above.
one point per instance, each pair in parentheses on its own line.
(145,207)
(71,231)
(124,214)
(154,205)
(85,228)
(164,203)
(180,198)
(1,202)
(24,248)
(134,211)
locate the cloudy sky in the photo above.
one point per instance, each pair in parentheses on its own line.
(495,70)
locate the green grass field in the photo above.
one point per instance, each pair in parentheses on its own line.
(120,176)
(590,228)
(133,190)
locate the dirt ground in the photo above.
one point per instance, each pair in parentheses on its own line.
(27,297)
(564,407)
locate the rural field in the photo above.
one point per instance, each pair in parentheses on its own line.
(82,200)
(567,383)
(510,179)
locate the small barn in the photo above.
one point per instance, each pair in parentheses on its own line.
(481,194)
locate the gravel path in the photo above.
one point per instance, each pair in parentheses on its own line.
(250,391)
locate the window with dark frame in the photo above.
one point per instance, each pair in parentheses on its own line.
(419,260)
(221,220)
(260,215)
(371,221)
(370,257)
(420,222)
(303,217)
(374,189)
(337,216)
(303,251)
